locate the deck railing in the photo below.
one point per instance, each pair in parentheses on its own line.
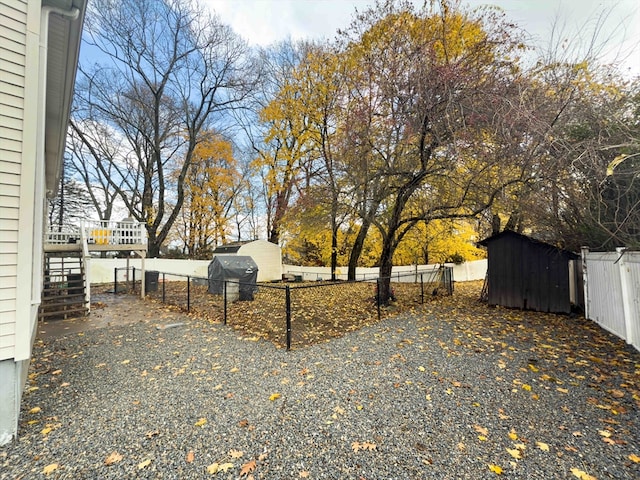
(99,232)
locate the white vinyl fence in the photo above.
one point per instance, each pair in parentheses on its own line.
(101,269)
(612,292)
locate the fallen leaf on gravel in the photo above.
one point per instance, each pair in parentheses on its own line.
(56,372)
(542,446)
(634,458)
(247,468)
(190,456)
(515,453)
(124,362)
(46,430)
(35,410)
(152,433)
(201,422)
(50,468)
(562,390)
(234,370)
(274,396)
(605,433)
(115,457)
(526,387)
(481,430)
(304,474)
(513,435)
(581,474)
(233,453)
(357,446)
(144,464)
(219,467)
(495,469)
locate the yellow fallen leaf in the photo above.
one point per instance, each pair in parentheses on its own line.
(526,387)
(114,457)
(35,410)
(562,390)
(144,464)
(56,372)
(219,467)
(582,475)
(274,396)
(201,422)
(605,433)
(481,430)
(482,438)
(495,469)
(515,453)
(234,370)
(233,453)
(50,468)
(634,458)
(421,368)
(513,435)
(124,362)
(542,446)
(46,430)
(533,368)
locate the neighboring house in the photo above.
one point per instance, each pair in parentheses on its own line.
(39,44)
(267,255)
(531,275)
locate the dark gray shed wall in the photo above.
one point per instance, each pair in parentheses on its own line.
(527,274)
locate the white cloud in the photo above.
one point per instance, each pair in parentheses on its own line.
(262,22)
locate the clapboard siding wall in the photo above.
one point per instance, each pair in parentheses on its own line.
(13,39)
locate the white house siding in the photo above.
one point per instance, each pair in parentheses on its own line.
(21,199)
(13,39)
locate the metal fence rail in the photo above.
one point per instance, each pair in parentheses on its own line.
(290,313)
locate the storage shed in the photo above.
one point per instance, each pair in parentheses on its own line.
(267,255)
(528,274)
(240,271)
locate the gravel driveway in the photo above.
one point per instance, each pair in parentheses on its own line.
(455,390)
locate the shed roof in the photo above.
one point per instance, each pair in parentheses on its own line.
(533,241)
(232,247)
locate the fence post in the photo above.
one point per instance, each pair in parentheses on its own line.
(584,252)
(625,284)
(421,289)
(378,297)
(224,301)
(288,309)
(188,293)
(163,287)
(115,280)
(133,282)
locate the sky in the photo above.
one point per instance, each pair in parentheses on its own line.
(262,22)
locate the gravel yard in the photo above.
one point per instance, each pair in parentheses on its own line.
(450,390)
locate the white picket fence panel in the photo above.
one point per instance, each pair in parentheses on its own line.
(612,292)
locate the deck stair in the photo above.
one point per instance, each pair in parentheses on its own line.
(63,293)
(66,289)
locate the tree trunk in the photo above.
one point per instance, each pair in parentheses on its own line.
(386,266)
(356,250)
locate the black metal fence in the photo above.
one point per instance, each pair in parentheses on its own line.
(290,314)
